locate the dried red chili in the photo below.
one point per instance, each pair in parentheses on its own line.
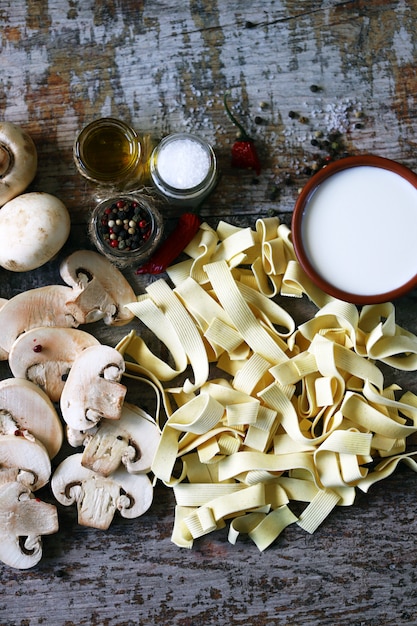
(174,244)
(244,154)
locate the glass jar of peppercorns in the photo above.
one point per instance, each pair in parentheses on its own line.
(126,228)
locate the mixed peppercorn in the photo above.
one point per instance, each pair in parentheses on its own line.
(125,225)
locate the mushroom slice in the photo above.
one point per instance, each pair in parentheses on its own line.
(99,497)
(25,407)
(18,161)
(104,289)
(131,441)
(43,306)
(92,390)
(23,520)
(23,452)
(45,356)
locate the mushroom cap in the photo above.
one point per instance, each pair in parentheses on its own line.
(18,161)
(27,455)
(23,519)
(92,390)
(132,441)
(98,497)
(51,305)
(33,228)
(32,410)
(45,356)
(105,291)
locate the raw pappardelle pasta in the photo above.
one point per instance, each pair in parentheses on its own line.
(268,413)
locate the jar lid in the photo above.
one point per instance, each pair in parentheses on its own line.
(354,229)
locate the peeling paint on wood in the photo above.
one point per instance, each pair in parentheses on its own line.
(68,63)
(295,70)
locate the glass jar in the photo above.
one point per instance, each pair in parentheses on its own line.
(183,169)
(108,152)
(126,228)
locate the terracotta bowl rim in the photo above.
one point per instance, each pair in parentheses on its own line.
(298,214)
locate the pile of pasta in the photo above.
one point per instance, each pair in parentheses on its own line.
(268,413)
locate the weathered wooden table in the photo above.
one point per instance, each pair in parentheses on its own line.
(294,69)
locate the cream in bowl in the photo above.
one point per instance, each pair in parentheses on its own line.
(354,229)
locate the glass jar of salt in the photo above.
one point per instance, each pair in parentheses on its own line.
(183,169)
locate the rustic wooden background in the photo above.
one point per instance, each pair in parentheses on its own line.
(345,67)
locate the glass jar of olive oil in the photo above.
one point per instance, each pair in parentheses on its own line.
(108,152)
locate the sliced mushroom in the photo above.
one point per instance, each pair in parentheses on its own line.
(104,289)
(99,497)
(131,441)
(25,407)
(45,356)
(18,161)
(23,520)
(42,306)
(24,453)
(92,390)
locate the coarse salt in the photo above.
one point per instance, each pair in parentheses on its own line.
(183,163)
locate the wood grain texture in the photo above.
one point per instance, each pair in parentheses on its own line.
(164,66)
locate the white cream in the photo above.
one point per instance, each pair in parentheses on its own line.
(359,230)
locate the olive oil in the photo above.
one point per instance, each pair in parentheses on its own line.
(108,151)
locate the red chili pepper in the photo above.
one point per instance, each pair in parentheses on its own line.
(174,244)
(244,154)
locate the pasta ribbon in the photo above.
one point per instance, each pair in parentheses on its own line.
(268,413)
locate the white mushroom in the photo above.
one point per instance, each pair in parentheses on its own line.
(33,228)
(18,161)
(42,306)
(25,407)
(92,390)
(23,520)
(45,356)
(131,441)
(26,457)
(104,289)
(99,497)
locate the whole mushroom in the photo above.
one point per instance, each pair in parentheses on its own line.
(18,161)
(33,228)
